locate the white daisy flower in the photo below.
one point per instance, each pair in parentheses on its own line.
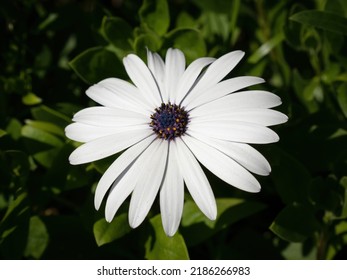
(167,121)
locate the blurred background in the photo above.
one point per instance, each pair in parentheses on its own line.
(51,51)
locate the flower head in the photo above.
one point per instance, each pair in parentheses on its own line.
(167,121)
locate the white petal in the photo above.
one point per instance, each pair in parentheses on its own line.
(143,79)
(223,88)
(157,67)
(126,182)
(190,76)
(223,166)
(116,93)
(110,117)
(235,131)
(117,168)
(81,132)
(175,64)
(149,180)
(195,180)
(244,154)
(238,100)
(106,146)
(120,190)
(126,91)
(265,117)
(172,195)
(214,74)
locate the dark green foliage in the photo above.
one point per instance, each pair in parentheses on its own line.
(51,51)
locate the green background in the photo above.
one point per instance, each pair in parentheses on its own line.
(51,51)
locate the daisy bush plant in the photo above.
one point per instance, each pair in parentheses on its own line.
(160,129)
(170,119)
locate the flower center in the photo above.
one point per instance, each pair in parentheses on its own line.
(169,121)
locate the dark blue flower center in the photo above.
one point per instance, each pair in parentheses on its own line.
(169,121)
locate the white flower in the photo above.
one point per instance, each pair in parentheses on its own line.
(166,121)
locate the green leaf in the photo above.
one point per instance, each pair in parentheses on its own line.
(295,223)
(96,64)
(185,20)
(336,7)
(325,194)
(321,19)
(2,133)
(183,38)
(59,176)
(300,86)
(41,136)
(235,13)
(291,178)
(46,157)
(147,40)
(47,127)
(17,206)
(342,77)
(161,247)
(17,165)
(258,68)
(31,99)
(313,91)
(216,24)
(42,145)
(47,114)
(77,177)
(196,227)
(295,251)
(67,109)
(343,183)
(292,31)
(47,22)
(219,6)
(14,128)
(105,232)
(38,238)
(338,241)
(155,14)
(266,48)
(118,32)
(312,42)
(331,73)
(342,98)
(14,228)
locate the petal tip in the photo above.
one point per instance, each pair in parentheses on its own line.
(97,204)
(242,53)
(73,160)
(255,189)
(133,223)
(170,233)
(238,53)
(170,229)
(285,118)
(212,213)
(212,216)
(108,219)
(134,220)
(109,214)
